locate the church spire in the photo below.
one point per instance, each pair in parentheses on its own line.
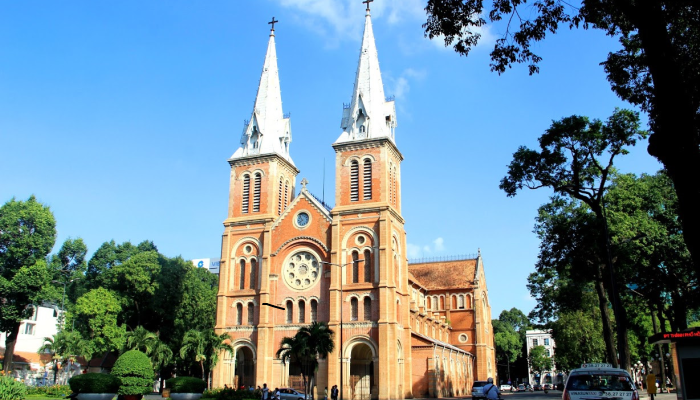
(268,131)
(369,114)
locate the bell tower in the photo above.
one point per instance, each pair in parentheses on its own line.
(263,174)
(369,239)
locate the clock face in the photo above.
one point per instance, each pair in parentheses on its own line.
(302,219)
(302,270)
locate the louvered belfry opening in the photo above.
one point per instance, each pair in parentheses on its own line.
(367,180)
(279,197)
(256,192)
(246,194)
(354,181)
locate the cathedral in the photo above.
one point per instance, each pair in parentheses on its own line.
(287,259)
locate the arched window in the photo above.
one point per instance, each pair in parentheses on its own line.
(367,180)
(453,303)
(355,268)
(290,305)
(253,272)
(314,311)
(367,308)
(239,314)
(353,309)
(442,302)
(256,192)
(241,280)
(391,183)
(302,311)
(368,266)
(430,303)
(279,197)
(246,194)
(547,353)
(354,181)
(251,314)
(398,311)
(286,194)
(460,301)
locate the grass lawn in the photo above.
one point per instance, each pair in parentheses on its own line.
(41,397)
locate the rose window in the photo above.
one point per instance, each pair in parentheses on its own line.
(302,270)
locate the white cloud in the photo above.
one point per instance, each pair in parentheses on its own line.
(439,244)
(413,251)
(419,251)
(399,87)
(487,39)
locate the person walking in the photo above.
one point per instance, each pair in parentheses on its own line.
(334,392)
(491,391)
(265,392)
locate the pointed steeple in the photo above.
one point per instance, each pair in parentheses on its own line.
(369,115)
(268,131)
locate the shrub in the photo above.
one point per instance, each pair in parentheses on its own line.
(135,373)
(94,382)
(49,391)
(10,389)
(185,384)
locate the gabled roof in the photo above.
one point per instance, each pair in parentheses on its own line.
(438,342)
(370,115)
(268,131)
(444,274)
(311,198)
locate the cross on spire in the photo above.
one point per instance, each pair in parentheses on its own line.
(273,22)
(367,2)
(304,182)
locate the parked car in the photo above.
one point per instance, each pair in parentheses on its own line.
(521,388)
(537,386)
(505,387)
(528,387)
(292,394)
(478,390)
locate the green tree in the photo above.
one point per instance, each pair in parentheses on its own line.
(309,344)
(96,313)
(204,348)
(140,339)
(657,68)
(135,282)
(578,338)
(65,346)
(575,159)
(538,360)
(27,234)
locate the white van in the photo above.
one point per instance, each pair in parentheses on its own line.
(599,382)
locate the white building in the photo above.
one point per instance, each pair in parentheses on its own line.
(43,323)
(541,338)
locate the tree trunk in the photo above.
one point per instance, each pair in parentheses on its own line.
(605,317)
(674,140)
(10,342)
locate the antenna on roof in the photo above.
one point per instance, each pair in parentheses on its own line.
(323,193)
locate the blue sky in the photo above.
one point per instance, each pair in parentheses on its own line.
(121,116)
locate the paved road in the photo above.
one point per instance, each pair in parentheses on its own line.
(555,395)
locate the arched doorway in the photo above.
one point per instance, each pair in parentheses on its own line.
(361,372)
(245,368)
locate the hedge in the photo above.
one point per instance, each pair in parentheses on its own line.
(94,382)
(135,373)
(185,384)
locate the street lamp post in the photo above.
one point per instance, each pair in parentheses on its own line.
(63,300)
(341,318)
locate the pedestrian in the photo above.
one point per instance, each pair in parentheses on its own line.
(334,392)
(325,393)
(265,392)
(276,394)
(491,391)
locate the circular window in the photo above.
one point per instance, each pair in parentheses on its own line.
(360,239)
(248,249)
(301,270)
(463,338)
(301,220)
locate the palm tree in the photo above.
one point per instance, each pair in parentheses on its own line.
(194,344)
(65,346)
(305,348)
(140,339)
(204,348)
